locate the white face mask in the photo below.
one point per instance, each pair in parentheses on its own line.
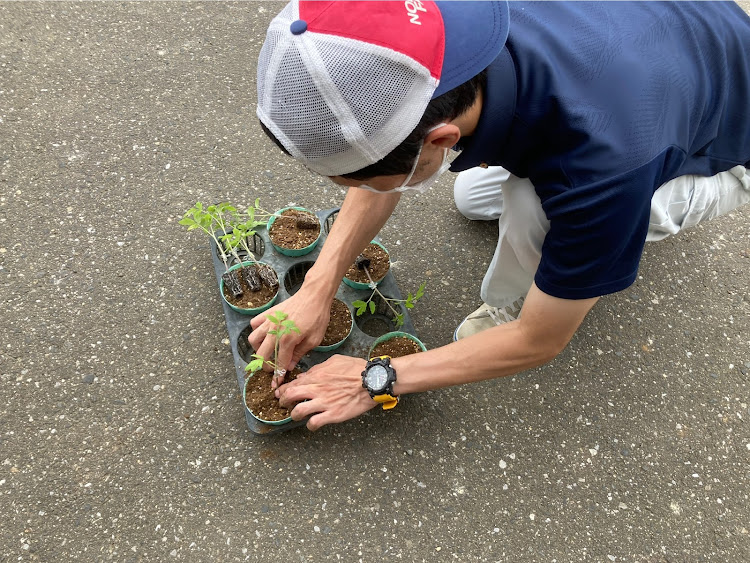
(424,184)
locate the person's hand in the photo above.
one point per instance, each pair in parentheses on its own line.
(331,391)
(309,314)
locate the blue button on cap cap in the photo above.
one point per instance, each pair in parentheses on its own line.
(298,27)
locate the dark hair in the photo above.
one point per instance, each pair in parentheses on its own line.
(401,159)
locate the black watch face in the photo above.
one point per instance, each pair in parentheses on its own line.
(376,378)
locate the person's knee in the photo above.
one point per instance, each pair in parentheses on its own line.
(463,198)
(478,195)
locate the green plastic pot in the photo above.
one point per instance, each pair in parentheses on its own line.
(332,347)
(362,285)
(395,334)
(293,251)
(240,310)
(244,402)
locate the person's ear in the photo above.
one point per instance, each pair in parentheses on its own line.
(445,136)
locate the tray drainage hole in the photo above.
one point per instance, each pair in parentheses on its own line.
(243,346)
(295,276)
(328,223)
(381,322)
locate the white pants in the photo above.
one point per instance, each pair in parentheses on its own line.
(494,193)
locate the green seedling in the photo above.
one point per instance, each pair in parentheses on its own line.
(227,227)
(224,216)
(409,302)
(209,220)
(240,234)
(255,212)
(258,216)
(283,325)
(232,232)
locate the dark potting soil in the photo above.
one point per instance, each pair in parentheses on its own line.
(396,347)
(340,324)
(292,229)
(378,268)
(249,299)
(260,398)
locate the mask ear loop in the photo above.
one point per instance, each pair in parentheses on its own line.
(413,169)
(405,183)
(426,183)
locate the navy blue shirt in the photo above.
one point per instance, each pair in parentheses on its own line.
(599,104)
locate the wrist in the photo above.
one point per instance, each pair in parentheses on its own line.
(403,365)
(322,281)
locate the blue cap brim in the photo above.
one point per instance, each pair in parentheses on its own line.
(475,33)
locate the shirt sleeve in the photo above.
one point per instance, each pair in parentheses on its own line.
(597,233)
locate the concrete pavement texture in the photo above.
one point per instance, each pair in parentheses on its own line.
(122,433)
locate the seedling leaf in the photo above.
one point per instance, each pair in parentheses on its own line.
(361,306)
(275,320)
(256,364)
(420,291)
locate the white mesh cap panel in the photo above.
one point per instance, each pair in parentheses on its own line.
(298,109)
(386,92)
(264,62)
(337,104)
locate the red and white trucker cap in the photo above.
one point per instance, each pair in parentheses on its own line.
(341,84)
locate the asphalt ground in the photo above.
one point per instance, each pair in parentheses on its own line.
(122,433)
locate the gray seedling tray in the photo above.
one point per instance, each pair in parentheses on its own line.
(291,272)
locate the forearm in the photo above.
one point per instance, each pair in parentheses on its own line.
(361,217)
(543,330)
(332,391)
(500,351)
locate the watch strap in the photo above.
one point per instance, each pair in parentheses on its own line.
(388,401)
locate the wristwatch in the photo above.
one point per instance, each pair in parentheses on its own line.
(378,378)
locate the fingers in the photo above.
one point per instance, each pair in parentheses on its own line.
(303,410)
(308,408)
(266,350)
(319,420)
(260,330)
(286,351)
(259,320)
(324,400)
(291,393)
(321,414)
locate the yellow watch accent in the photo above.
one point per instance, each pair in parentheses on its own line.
(388,401)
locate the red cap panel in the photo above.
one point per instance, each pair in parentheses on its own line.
(413,27)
